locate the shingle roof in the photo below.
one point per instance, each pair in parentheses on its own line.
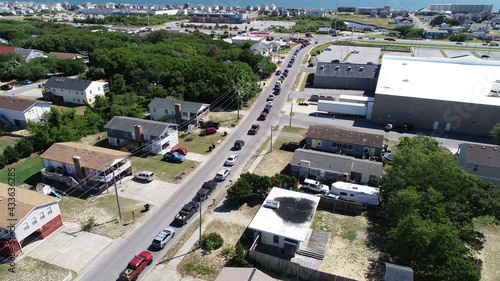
(335,162)
(25,53)
(68,83)
(149,127)
(63,56)
(486,155)
(331,133)
(26,201)
(92,157)
(17,104)
(188,106)
(394,272)
(351,70)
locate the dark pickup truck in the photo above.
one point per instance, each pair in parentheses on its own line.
(206,190)
(187,212)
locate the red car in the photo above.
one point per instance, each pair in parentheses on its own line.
(208,131)
(180,150)
(6,87)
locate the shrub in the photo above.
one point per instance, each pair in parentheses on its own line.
(89,225)
(228,250)
(11,154)
(24,147)
(212,241)
(239,256)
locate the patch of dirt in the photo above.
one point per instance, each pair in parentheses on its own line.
(272,163)
(489,255)
(30,269)
(230,223)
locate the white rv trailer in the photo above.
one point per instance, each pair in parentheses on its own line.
(356,193)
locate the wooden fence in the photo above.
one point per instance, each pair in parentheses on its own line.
(293,269)
(340,206)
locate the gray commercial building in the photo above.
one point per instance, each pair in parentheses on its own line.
(443,94)
(349,76)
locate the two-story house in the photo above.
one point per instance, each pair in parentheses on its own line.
(178,112)
(483,161)
(343,141)
(154,136)
(35,215)
(79,91)
(16,112)
(85,167)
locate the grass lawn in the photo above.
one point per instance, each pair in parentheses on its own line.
(7,140)
(225,118)
(80,109)
(27,171)
(104,210)
(199,144)
(164,171)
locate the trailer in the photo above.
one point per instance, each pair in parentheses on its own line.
(347,108)
(356,193)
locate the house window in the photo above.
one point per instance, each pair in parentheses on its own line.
(185,114)
(90,100)
(343,193)
(98,88)
(49,210)
(319,142)
(33,221)
(476,167)
(90,92)
(339,145)
(111,131)
(366,149)
(349,147)
(166,111)
(26,226)
(276,239)
(344,146)
(42,215)
(78,100)
(154,109)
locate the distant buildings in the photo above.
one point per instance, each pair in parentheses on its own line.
(460,8)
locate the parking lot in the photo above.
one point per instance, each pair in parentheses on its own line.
(364,55)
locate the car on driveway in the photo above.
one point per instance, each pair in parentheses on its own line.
(26,82)
(208,131)
(180,150)
(174,157)
(290,146)
(222,174)
(254,129)
(163,237)
(6,87)
(231,159)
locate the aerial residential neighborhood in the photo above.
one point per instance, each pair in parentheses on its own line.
(257,142)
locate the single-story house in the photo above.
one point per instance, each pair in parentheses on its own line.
(71,90)
(342,141)
(178,112)
(16,112)
(35,216)
(155,136)
(483,161)
(283,222)
(83,166)
(329,167)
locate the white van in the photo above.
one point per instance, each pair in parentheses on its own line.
(145,176)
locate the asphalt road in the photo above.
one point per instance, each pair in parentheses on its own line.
(115,259)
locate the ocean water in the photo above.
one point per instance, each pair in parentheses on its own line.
(309,4)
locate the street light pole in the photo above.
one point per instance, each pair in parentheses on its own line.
(200,223)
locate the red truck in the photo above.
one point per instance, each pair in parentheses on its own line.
(136,266)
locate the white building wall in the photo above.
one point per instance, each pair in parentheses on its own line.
(22,232)
(80,97)
(37,111)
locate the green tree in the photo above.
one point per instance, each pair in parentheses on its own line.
(495,133)
(24,147)
(212,240)
(458,37)
(11,154)
(240,189)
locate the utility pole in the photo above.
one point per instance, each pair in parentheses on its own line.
(291,112)
(200,223)
(238,101)
(271,149)
(116,194)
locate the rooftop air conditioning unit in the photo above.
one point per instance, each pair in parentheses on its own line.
(272,204)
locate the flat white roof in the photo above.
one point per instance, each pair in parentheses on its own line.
(355,187)
(355,98)
(293,217)
(465,79)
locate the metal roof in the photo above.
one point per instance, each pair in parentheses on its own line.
(149,127)
(350,70)
(331,133)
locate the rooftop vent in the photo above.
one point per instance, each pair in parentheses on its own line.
(361,68)
(471,145)
(272,204)
(483,147)
(349,68)
(337,67)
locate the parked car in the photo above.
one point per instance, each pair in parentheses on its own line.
(485,56)
(231,159)
(26,82)
(355,51)
(163,237)
(180,150)
(278,72)
(360,37)
(222,174)
(145,176)
(6,87)
(238,144)
(174,157)
(262,116)
(336,61)
(270,98)
(209,124)
(266,109)
(285,71)
(310,185)
(402,128)
(459,43)
(291,146)
(208,131)
(254,129)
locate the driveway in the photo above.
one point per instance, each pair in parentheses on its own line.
(155,192)
(69,247)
